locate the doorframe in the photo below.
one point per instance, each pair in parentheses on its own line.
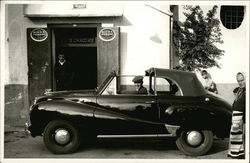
(52,28)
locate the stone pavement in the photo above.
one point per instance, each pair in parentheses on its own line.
(17,144)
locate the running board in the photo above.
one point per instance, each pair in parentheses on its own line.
(136,136)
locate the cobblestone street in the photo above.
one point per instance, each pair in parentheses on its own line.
(17,144)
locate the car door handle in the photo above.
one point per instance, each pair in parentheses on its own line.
(149,102)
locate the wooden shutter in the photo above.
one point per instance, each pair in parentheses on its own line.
(107,52)
(39,61)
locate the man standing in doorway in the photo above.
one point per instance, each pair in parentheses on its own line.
(63,74)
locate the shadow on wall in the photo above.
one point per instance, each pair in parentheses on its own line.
(155,38)
(226,91)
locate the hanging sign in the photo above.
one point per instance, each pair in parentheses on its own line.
(107,34)
(39,34)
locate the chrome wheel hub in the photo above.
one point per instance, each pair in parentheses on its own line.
(194,138)
(62,136)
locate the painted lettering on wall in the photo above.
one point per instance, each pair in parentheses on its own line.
(107,34)
(79,6)
(39,34)
(78,41)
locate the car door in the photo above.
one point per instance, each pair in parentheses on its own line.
(121,113)
(169,94)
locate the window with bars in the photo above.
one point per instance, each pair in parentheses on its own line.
(232,16)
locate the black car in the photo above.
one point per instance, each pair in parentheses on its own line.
(176,105)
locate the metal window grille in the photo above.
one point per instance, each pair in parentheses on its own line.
(232,16)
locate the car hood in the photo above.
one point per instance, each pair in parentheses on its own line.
(71,93)
(65,95)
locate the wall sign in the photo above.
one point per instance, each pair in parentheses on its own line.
(77,42)
(39,34)
(107,34)
(79,6)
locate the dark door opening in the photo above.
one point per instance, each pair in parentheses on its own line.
(78,45)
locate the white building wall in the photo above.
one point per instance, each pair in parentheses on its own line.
(145,41)
(236,54)
(15,46)
(144,38)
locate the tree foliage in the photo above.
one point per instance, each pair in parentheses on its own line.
(195,39)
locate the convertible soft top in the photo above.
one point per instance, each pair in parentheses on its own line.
(188,81)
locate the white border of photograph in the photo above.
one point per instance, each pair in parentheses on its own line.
(2,48)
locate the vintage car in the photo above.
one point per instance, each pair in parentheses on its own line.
(176,105)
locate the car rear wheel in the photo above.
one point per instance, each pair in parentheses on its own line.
(195,142)
(61,137)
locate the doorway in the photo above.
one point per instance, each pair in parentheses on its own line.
(79,47)
(91,57)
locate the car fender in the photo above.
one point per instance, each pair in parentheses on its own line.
(80,114)
(200,116)
(199,108)
(194,115)
(67,107)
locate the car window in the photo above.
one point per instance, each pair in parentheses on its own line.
(127,86)
(167,86)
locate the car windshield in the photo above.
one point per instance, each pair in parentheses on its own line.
(105,82)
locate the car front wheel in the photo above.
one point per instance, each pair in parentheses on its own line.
(195,142)
(61,137)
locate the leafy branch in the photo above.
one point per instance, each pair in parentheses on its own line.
(195,39)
